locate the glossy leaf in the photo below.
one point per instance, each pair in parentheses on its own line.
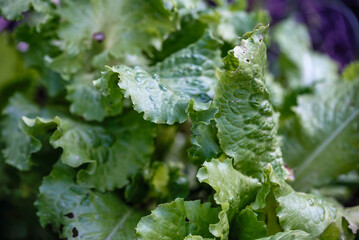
(83,213)
(112,152)
(18,147)
(246,122)
(326,145)
(177,220)
(164,96)
(233,191)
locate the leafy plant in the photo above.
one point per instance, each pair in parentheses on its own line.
(150,119)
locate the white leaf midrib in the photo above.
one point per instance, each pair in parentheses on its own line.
(327,141)
(118,225)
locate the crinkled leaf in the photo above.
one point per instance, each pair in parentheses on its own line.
(164,96)
(177,220)
(88,102)
(246,122)
(128,27)
(233,24)
(13,9)
(289,235)
(300,211)
(233,191)
(112,151)
(18,146)
(83,213)
(204,132)
(248,226)
(352,216)
(191,30)
(327,143)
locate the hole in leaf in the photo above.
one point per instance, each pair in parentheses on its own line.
(69,215)
(186,219)
(75,233)
(61,228)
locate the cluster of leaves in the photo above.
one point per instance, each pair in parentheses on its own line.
(152,119)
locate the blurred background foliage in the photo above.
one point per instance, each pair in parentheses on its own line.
(329,27)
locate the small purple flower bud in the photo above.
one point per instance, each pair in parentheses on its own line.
(56,2)
(98,36)
(23,47)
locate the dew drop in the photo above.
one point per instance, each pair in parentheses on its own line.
(203,98)
(265,108)
(254,101)
(156,77)
(163,88)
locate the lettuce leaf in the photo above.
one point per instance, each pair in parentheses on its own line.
(77,212)
(177,220)
(88,102)
(233,191)
(246,122)
(326,145)
(164,96)
(111,152)
(18,147)
(124,28)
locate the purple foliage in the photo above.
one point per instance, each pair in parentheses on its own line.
(332,26)
(3,24)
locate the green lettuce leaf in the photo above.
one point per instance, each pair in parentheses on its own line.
(204,137)
(236,23)
(300,211)
(248,226)
(112,152)
(177,220)
(164,96)
(289,235)
(18,147)
(246,122)
(233,191)
(299,64)
(13,10)
(40,46)
(326,143)
(88,102)
(128,27)
(351,214)
(83,213)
